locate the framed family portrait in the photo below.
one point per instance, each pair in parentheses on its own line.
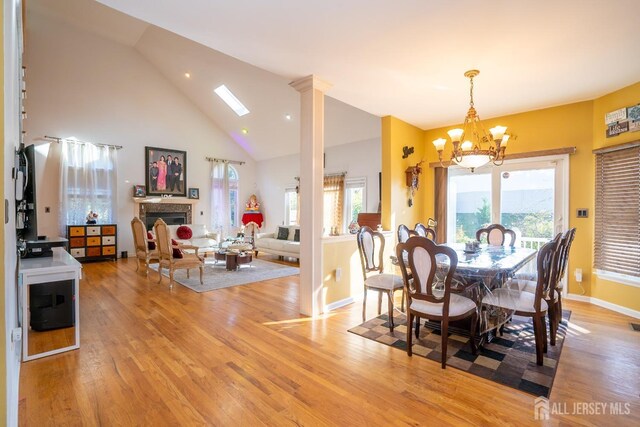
(166,171)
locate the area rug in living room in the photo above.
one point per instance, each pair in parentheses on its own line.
(509,359)
(216,276)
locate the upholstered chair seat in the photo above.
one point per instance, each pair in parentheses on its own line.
(522,302)
(458,305)
(384,281)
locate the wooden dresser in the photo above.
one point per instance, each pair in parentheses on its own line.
(93,242)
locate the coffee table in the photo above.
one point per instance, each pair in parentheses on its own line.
(233,260)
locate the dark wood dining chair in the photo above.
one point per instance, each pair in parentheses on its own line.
(569,236)
(553,296)
(529,304)
(378,281)
(422,300)
(496,235)
(424,231)
(404,233)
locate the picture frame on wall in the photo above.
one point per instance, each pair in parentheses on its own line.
(139,191)
(194,193)
(166,171)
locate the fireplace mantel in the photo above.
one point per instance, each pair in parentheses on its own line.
(144,205)
(176,200)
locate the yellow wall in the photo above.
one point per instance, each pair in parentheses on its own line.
(579,125)
(557,127)
(617,293)
(3,326)
(395,210)
(342,252)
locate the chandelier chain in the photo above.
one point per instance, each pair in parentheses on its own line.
(471,92)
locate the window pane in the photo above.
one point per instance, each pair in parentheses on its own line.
(469,205)
(233,205)
(527,198)
(290,207)
(354,206)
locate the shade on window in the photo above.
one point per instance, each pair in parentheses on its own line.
(617,210)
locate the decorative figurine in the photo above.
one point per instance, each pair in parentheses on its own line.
(253,205)
(92,218)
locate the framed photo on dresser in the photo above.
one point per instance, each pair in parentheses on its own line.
(166,171)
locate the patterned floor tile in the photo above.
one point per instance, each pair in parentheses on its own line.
(509,359)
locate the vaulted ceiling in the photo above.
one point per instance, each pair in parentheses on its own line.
(407,58)
(268,96)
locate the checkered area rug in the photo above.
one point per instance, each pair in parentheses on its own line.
(509,359)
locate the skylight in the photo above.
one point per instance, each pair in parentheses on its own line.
(233,102)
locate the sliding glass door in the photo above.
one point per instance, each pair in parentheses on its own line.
(528,197)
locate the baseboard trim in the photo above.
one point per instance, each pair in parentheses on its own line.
(338,304)
(605,304)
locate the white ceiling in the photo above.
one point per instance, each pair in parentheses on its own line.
(268,96)
(407,58)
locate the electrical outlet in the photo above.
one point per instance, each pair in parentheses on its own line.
(338,274)
(582,213)
(201,213)
(47,209)
(16,334)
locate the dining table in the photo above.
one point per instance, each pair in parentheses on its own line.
(478,273)
(481,271)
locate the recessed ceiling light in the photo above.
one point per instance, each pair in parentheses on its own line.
(233,102)
(287,116)
(187,75)
(245,131)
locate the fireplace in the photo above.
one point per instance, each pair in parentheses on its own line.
(171,213)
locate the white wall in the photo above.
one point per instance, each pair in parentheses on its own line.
(96,89)
(11,48)
(358,159)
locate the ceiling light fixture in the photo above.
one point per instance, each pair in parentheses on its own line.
(234,103)
(187,75)
(287,116)
(471,154)
(245,131)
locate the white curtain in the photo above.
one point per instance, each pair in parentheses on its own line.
(88,183)
(220,218)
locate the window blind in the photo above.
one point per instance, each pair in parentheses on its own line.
(617,212)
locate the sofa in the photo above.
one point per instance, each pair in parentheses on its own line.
(271,244)
(202,238)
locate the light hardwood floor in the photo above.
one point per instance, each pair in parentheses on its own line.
(151,355)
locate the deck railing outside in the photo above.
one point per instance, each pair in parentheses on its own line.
(532,242)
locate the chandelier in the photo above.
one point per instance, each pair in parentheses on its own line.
(484,147)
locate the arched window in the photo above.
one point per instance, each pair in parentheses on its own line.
(233,196)
(224,198)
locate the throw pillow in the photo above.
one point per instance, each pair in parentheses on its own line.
(283,233)
(177,253)
(184,233)
(150,245)
(296,235)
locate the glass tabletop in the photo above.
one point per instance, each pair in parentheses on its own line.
(492,259)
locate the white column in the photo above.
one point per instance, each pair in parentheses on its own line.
(311,191)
